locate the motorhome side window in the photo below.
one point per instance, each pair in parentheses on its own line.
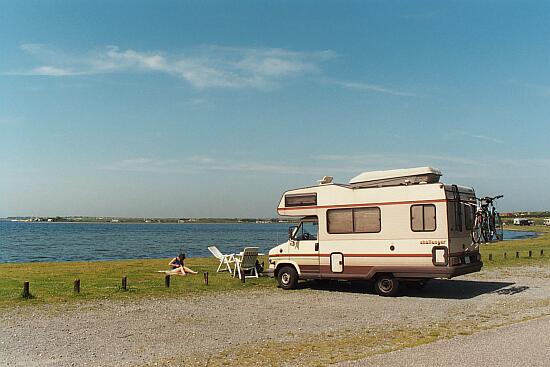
(301,200)
(358,220)
(423,218)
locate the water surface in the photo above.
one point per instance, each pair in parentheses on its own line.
(22,242)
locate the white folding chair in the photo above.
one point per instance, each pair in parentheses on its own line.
(225,260)
(247,262)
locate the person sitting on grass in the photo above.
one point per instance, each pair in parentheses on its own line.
(178,266)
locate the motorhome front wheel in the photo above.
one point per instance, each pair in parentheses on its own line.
(287,277)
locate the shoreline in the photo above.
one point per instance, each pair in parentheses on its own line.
(183,223)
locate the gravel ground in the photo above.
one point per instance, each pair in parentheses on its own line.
(522,344)
(133,333)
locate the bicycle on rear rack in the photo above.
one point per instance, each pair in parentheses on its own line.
(487,222)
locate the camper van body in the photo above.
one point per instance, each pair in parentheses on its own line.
(403,224)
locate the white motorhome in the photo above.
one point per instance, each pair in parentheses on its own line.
(391,226)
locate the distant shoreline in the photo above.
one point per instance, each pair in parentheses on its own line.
(114,223)
(155,221)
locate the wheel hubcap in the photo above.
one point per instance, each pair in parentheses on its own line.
(386,285)
(285,278)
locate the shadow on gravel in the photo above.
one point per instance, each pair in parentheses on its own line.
(435,288)
(456,289)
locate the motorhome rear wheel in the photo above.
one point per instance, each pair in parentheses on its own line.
(386,285)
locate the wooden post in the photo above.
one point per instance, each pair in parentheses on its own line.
(530,253)
(26,292)
(205,278)
(76,286)
(541,252)
(505,255)
(490,257)
(124,283)
(243,278)
(517,255)
(167,280)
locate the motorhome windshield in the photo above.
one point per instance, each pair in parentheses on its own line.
(307,230)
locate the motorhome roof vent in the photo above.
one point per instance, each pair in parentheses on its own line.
(396,177)
(326,180)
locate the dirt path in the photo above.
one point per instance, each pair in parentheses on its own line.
(280,325)
(525,343)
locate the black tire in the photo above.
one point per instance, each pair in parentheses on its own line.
(386,285)
(477,235)
(287,277)
(499,230)
(486,232)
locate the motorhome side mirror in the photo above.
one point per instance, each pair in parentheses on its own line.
(291,230)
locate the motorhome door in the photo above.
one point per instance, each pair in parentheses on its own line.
(304,246)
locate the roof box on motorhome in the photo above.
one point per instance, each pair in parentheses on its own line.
(396,177)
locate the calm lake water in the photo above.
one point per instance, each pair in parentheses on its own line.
(22,242)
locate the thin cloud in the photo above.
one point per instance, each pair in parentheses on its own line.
(344,166)
(140,164)
(367,87)
(203,67)
(487,138)
(207,163)
(540,90)
(196,102)
(51,71)
(9,120)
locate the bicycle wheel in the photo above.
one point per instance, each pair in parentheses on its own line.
(499,231)
(486,230)
(476,231)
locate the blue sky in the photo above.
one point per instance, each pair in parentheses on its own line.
(196,108)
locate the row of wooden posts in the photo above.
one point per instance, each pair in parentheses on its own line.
(124,283)
(517,255)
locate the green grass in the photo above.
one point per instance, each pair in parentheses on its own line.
(497,249)
(52,283)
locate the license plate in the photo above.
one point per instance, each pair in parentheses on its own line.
(467,260)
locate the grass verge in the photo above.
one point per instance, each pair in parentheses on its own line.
(498,249)
(52,283)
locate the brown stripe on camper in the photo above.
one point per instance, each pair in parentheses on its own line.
(309,268)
